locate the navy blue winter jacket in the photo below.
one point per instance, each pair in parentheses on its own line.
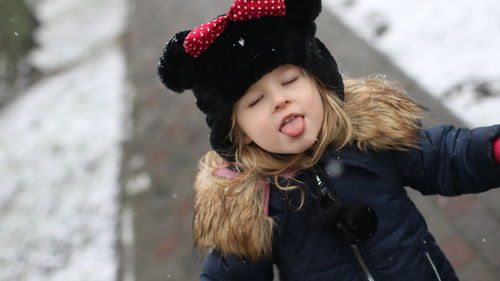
(449,162)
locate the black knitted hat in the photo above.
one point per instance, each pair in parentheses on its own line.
(251,44)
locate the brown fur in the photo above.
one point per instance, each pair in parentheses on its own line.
(231,219)
(383,116)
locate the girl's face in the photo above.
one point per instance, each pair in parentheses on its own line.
(282,112)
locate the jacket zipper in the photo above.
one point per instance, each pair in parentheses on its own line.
(321,184)
(433,266)
(362,262)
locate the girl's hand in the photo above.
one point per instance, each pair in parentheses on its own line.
(496,150)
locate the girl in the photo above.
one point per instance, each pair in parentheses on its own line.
(307,171)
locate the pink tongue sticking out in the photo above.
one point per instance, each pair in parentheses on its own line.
(293,128)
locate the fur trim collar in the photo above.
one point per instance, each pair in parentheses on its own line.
(383,116)
(231,220)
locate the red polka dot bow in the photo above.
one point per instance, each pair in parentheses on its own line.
(200,38)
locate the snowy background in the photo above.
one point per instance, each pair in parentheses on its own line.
(60,143)
(60,148)
(449,47)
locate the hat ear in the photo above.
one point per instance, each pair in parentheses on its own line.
(303,9)
(176,68)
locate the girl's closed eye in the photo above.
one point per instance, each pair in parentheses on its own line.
(254,101)
(290,81)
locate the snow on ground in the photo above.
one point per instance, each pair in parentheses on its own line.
(449,47)
(60,151)
(59,167)
(74,29)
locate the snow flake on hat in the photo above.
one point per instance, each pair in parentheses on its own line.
(200,38)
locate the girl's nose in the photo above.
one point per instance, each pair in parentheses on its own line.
(280,102)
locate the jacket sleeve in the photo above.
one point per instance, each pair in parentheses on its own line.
(451,161)
(216,268)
